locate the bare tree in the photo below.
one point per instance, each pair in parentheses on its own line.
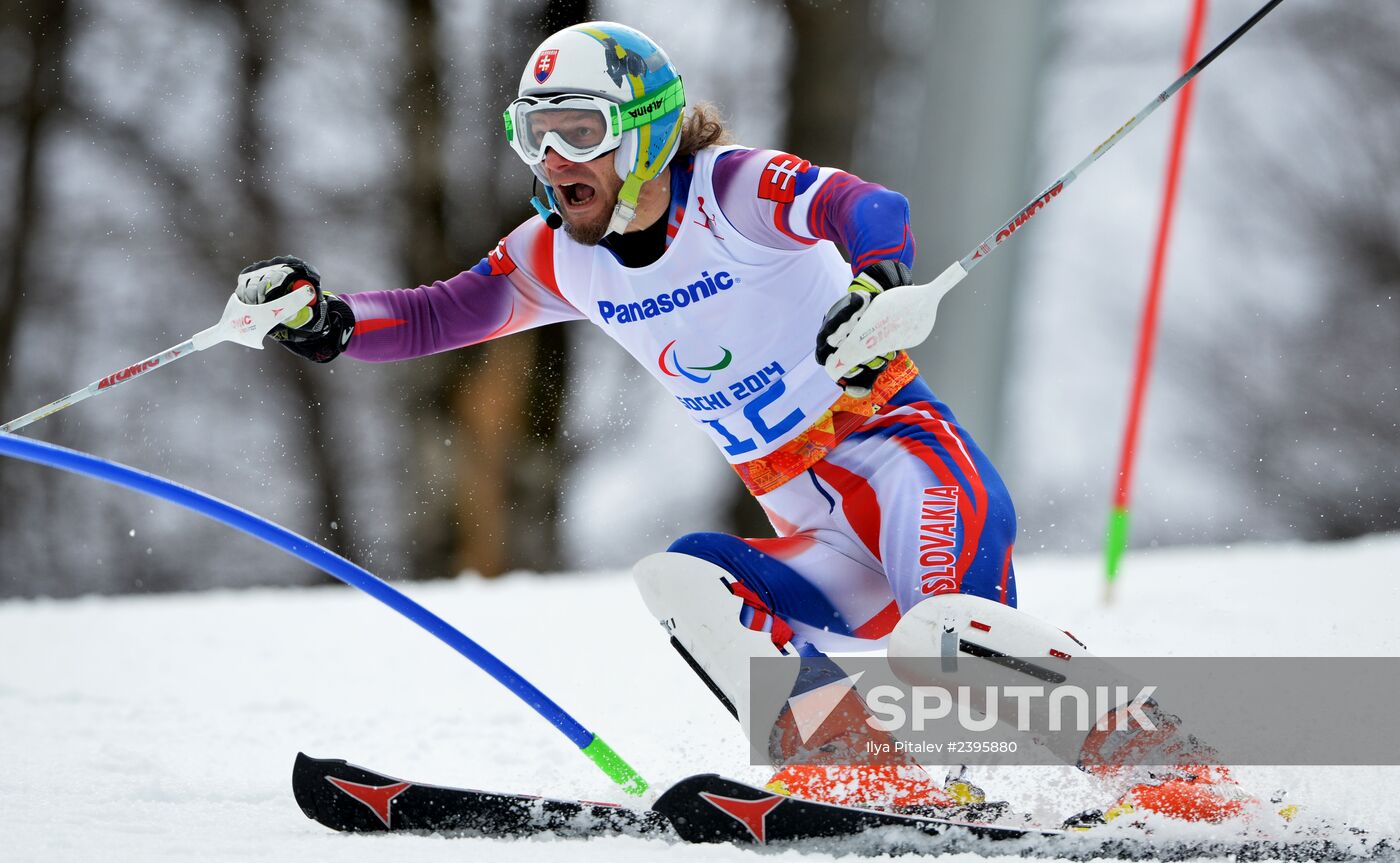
(266,229)
(835,63)
(45,24)
(502,399)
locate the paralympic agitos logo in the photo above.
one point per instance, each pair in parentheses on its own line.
(671,365)
(664,303)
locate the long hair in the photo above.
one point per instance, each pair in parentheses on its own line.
(704,127)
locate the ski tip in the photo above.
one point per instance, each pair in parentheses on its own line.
(304,783)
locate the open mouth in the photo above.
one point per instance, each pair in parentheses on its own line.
(576,194)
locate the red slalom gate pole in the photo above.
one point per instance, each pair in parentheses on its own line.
(1116,541)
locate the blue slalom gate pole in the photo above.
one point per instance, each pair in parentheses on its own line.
(73,461)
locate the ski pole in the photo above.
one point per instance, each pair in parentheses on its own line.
(240,323)
(895,320)
(323,559)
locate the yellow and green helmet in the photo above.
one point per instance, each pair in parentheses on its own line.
(619,72)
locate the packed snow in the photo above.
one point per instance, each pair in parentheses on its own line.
(163,728)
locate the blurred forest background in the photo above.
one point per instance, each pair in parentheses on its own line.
(151,148)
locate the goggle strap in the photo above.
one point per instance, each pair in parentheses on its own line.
(641,111)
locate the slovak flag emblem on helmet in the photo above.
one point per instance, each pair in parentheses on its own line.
(544,64)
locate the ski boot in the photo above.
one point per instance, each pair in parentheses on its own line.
(1205,794)
(1187,787)
(847,762)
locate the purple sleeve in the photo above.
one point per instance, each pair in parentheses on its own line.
(785,202)
(497,297)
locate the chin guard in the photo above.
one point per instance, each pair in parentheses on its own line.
(626,209)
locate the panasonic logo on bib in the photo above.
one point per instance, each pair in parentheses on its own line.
(663,304)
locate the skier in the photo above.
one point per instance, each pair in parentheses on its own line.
(716,266)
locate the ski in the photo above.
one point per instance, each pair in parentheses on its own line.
(355,800)
(708,808)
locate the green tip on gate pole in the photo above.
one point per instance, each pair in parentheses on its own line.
(1115,543)
(608,761)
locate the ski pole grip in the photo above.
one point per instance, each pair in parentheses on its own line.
(893,321)
(618,770)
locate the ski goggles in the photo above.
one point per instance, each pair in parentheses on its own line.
(582,127)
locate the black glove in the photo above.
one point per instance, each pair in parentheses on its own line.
(874,279)
(318,332)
